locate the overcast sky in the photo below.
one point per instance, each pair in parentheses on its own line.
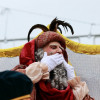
(83,10)
(22,14)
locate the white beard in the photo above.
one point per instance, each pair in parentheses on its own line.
(58,76)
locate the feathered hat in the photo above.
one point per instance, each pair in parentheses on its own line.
(48,35)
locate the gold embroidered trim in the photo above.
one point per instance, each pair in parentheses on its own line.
(82,48)
(11,52)
(22,97)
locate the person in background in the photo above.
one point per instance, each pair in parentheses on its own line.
(45,61)
(15,86)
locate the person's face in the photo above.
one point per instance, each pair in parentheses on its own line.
(53,48)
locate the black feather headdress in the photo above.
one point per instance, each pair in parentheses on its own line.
(53,27)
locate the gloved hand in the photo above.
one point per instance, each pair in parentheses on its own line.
(70,70)
(52,60)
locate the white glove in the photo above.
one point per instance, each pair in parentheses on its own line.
(70,70)
(52,60)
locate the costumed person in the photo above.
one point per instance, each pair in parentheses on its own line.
(15,86)
(45,60)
